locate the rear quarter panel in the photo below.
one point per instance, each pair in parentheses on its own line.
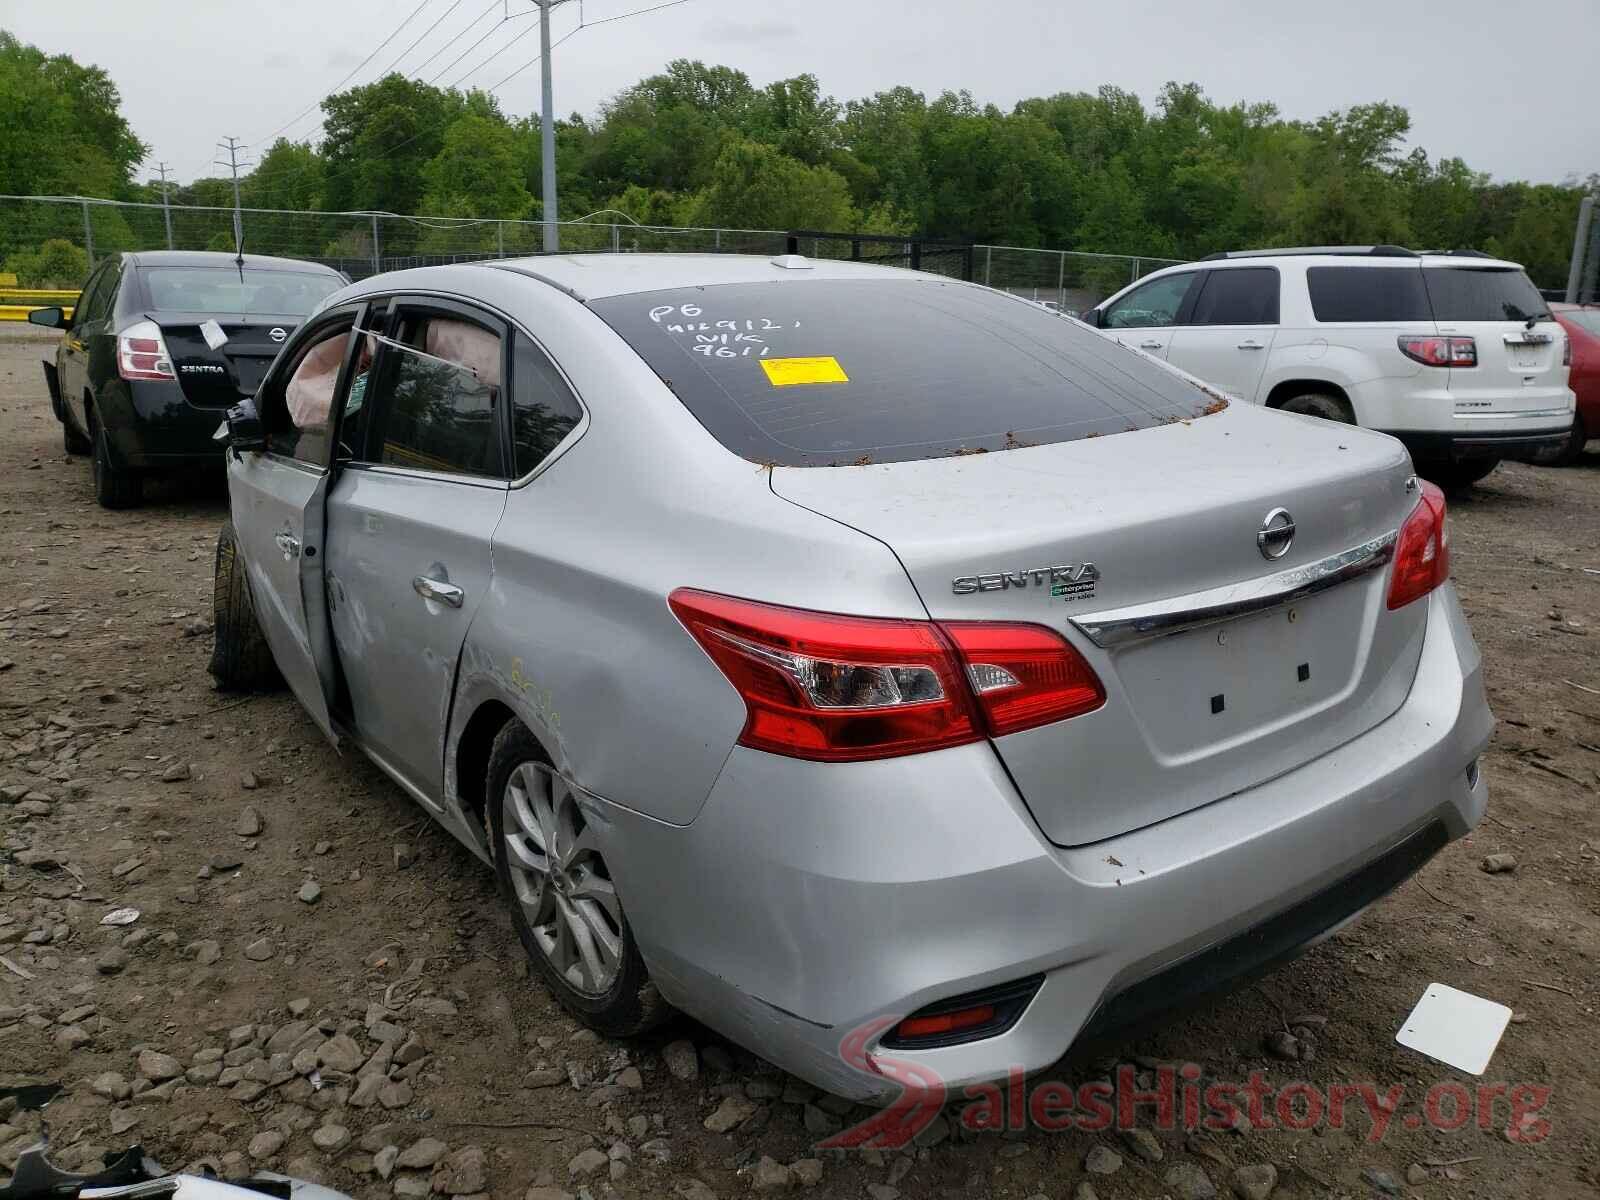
(575,635)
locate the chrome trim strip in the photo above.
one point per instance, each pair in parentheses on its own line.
(1511,414)
(1140,622)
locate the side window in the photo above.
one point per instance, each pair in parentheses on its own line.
(298,408)
(105,300)
(1368,294)
(1154,305)
(1238,296)
(89,298)
(435,400)
(543,408)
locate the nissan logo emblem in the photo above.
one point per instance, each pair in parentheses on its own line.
(277,333)
(1276,535)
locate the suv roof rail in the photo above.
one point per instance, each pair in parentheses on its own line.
(1458,253)
(1365,251)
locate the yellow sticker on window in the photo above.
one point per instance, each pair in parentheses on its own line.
(786,372)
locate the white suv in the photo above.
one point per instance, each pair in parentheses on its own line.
(1455,354)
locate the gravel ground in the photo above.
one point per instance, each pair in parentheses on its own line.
(321,982)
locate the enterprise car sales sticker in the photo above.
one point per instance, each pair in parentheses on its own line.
(786,372)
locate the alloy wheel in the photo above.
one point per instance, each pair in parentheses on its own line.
(560,880)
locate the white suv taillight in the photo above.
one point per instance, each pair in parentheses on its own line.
(834,688)
(142,353)
(1439,351)
(1422,553)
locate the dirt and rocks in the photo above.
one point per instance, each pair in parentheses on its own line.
(319,981)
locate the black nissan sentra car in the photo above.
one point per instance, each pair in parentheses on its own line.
(137,382)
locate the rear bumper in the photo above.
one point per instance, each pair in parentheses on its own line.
(827,897)
(152,427)
(1430,446)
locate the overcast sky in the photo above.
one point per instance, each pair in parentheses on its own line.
(1509,88)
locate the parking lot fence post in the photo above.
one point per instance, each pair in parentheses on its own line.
(1135,278)
(1580,246)
(988,262)
(616,239)
(376,264)
(1061,280)
(88,234)
(500,238)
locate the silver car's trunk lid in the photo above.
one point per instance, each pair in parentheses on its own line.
(1169,519)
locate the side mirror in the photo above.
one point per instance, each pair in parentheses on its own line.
(245,431)
(54,317)
(1096,317)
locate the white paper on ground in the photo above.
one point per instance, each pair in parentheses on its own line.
(1455,1027)
(212,332)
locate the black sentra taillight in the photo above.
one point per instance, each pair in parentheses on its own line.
(1439,351)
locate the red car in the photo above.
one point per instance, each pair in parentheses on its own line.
(1582,323)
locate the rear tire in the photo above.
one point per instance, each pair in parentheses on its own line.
(1320,404)
(1569,452)
(241,660)
(618,999)
(113,486)
(1457,475)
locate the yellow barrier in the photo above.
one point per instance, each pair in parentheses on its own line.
(19,312)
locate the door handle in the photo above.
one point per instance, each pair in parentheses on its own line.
(434,589)
(1252,344)
(1152,345)
(288,543)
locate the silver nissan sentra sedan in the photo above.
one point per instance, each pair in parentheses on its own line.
(820,648)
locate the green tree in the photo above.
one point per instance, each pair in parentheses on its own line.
(755,187)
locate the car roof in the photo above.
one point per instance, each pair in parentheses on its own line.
(596,276)
(1355,256)
(220,258)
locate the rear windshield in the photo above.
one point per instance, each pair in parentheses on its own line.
(1483,294)
(839,372)
(220,290)
(1367,294)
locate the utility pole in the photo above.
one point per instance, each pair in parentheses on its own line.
(166,206)
(233,164)
(547,131)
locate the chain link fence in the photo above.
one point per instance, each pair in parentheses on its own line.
(1069,280)
(51,242)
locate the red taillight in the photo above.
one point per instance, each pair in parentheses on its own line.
(1439,351)
(1422,552)
(966,1018)
(142,354)
(1024,675)
(836,688)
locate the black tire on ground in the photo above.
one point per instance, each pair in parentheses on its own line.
(1458,474)
(74,442)
(1569,452)
(241,660)
(631,1005)
(113,487)
(1321,404)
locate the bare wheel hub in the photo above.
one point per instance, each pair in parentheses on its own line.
(560,880)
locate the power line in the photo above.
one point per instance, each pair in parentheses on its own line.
(315,103)
(492,29)
(474,70)
(532,62)
(416,71)
(419,40)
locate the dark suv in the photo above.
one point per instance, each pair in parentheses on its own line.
(160,346)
